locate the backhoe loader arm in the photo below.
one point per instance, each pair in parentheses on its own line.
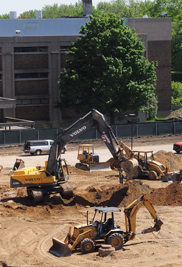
(98,121)
(131,212)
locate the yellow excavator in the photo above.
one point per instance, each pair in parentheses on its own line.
(89,160)
(147,166)
(104,231)
(54,176)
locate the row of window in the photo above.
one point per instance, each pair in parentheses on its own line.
(32,101)
(30,49)
(37,49)
(31,75)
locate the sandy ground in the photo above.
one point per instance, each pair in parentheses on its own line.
(26,230)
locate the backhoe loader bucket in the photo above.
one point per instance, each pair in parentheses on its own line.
(101,166)
(60,249)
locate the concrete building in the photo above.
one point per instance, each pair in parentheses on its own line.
(156,35)
(32,55)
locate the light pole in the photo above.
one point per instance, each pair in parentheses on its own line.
(132,116)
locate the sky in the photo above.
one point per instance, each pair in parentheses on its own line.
(22,5)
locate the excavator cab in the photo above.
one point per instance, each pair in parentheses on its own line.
(61,170)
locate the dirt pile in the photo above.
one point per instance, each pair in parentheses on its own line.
(169,159)
(169,196)
(119,195)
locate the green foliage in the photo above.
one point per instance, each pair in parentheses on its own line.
(31,14)
(152,108)
(176,93)
(108,70)
(176,46)
(118,7)
(5,16)
(63,10)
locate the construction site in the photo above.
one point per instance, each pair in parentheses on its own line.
(28,229)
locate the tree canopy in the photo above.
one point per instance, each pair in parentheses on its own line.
(107,69)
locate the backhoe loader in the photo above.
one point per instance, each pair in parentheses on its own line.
(104,231)
(147,166)
(89,160)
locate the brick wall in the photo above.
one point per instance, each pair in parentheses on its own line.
(161,51)
(0,62)
(33,112)
(31,61)
(1,89)
(34,87)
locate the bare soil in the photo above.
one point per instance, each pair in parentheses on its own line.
(27,229)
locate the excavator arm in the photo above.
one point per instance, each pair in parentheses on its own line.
(98,121)
(131,212)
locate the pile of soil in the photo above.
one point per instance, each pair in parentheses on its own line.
(169,159)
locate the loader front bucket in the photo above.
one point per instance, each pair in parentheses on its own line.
(60,249)
(101,166)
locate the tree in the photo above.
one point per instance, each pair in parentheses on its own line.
(176,93)
(31,14)
(152,108)
(108,70)
(63,10)
(4,16)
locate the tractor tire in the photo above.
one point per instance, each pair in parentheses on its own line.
(115,240)
(152,175)
(178,151)
(139,174)
(87,245)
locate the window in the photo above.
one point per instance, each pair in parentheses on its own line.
(35,101)
(30,26)
(30,49)
(44,101)
(64,49)
(31,75)
(20,102)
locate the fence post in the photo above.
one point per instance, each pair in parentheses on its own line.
(136,130)
(20,137)
(156,129)
(174,127)
(4,139)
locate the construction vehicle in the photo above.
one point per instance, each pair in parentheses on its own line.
(51,178)
(104,231)
(89,160)
(147,166)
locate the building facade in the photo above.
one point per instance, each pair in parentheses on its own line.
(32,55)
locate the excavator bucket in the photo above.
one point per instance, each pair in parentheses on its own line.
(60,249)
(101,166)
(19,163)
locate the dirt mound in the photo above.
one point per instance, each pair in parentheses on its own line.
(171,195)
(169,159)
